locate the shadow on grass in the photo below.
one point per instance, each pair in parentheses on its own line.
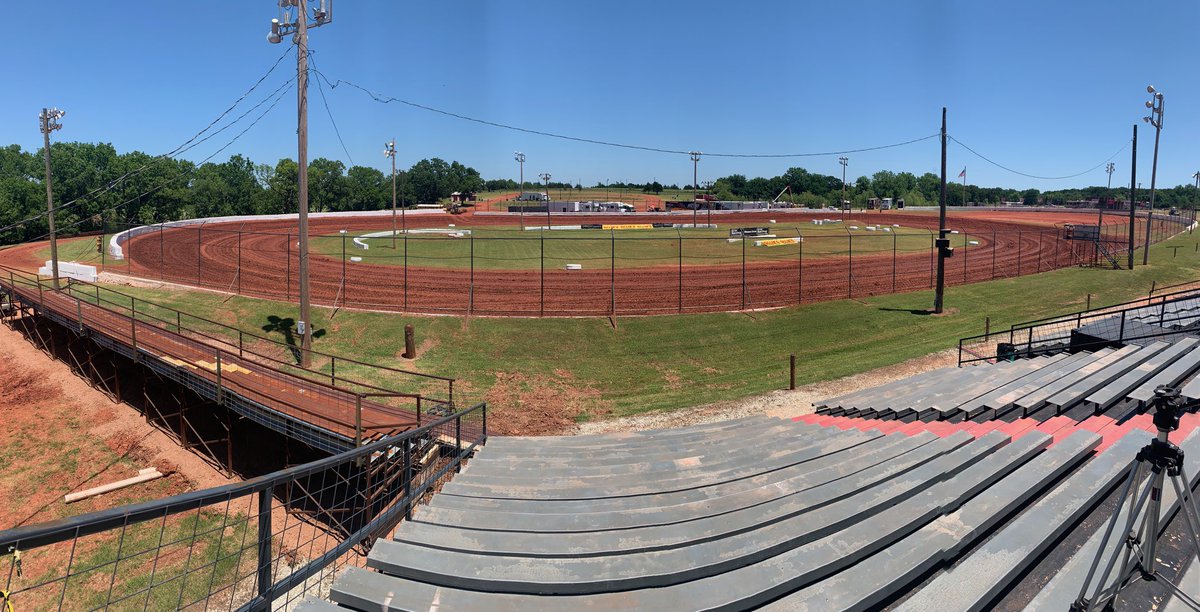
(287,327)
(916,311)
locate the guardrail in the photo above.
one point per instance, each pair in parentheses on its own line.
(253,545)
(349,408)
(1120,323)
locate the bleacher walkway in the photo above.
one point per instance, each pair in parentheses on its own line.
(824,512)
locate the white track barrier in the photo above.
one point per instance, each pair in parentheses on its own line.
(115,243)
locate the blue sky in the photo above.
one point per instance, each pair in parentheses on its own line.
(1048,88)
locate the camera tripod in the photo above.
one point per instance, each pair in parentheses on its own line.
(1164,461)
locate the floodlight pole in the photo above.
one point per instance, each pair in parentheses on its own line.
(390,151)
(545,176)
(940,290)
(1155,104)
(520,157)
(48,122)
(300,29)
(1132,196)
(695,155)
(842,205)
(1110,168)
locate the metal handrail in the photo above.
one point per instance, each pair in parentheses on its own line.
(101,326)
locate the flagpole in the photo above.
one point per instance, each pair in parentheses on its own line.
(964,175)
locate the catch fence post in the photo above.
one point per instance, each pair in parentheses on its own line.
(995,247)
(471,277)
(800,268)
(964,249)
(333,370)
(679,282)
(343,292)
(405,309)
(542,273)
(162,265)
(199,229)
(1039,251)
(239,267)
(1056,243)
(287,295)
(743,272)
(850,265)
(612,273)
(893,262)
(931,259)
(1020,252)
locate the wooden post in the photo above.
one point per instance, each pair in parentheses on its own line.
(792,372)
(410,351)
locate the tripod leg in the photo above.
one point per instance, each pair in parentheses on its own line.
(1187,506)
(1132,478)
(1148,536)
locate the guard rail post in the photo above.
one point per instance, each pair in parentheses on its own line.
(264,543)
(358,420)
(458,443)
(408,478)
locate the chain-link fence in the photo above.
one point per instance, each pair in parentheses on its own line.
(608,270)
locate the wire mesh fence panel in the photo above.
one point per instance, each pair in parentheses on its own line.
(772,275)
(576,274)
(826,267)
(710,278)
(506,279)
(869,261)
(647,271)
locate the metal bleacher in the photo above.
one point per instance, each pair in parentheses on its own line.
(961,488)
(748,513)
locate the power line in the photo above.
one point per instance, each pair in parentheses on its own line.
(321,89)
(386,99)
(275,97)
(1034,176)
(183,148)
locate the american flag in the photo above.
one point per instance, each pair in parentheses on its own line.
(963,174)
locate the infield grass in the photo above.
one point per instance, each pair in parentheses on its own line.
(639,364)
(516,249)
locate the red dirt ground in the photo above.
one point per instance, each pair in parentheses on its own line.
(1007,248)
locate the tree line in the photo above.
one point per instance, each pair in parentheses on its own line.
(137,188)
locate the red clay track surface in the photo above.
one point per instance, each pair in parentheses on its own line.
(269,266)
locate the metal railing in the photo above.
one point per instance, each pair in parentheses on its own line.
(1155,316)
(354,410)
(262,543)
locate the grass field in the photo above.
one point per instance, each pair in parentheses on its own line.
(591,366)
(514,249)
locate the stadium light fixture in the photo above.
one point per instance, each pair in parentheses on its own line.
(844,161)
(1155,104)
(520,157)
(695,156)
(293,20)
(48,122)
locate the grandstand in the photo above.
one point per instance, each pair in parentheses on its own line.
(952,489)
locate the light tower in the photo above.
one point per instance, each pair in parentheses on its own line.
(545,176)
(695,156)
(48,122)
(1155,104)
(842,205)
(389,150)
(520,157)
(293,19)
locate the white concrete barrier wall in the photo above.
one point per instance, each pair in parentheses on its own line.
(116,250)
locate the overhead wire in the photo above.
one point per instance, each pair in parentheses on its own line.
(1034,176)
(328,112)
(386,99)
(187,145)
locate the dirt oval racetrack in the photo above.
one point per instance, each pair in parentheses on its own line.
(258,258)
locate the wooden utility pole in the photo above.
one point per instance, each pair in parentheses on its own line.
(1132,196)
(48,122)
(940,290)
